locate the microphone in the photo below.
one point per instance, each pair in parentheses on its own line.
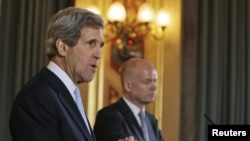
(208,119)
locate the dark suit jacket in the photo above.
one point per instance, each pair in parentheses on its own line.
(44,110)
(117,121)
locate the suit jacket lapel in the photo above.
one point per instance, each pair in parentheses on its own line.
(67,100)
(73,110)
(130,119)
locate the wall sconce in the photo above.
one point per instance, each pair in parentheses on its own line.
(120,23)
(126,30)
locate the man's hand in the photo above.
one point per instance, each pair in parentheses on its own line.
(130,138)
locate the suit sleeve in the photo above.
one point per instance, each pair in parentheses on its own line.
(110,126)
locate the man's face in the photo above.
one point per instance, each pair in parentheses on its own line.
(82,59)
(143,87)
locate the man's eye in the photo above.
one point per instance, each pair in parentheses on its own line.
(92,42)
(102,44)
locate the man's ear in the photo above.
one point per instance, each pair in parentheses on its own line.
(127,85)
(61,47)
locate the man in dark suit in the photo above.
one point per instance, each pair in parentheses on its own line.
(48,107)
(120,119)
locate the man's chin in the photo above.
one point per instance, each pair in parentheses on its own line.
(86,80)
(148,102)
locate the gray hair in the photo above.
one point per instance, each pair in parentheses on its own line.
(67,25)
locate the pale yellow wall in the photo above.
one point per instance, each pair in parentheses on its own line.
(172,73)
(166,57)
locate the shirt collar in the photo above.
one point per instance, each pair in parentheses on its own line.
(62,75)
(135,110)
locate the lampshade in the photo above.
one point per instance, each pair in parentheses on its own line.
(162,18)
(145,13)
(117,12)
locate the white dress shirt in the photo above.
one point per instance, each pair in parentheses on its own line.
(135,110)
(63,77)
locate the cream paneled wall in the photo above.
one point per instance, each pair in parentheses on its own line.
(165,55)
